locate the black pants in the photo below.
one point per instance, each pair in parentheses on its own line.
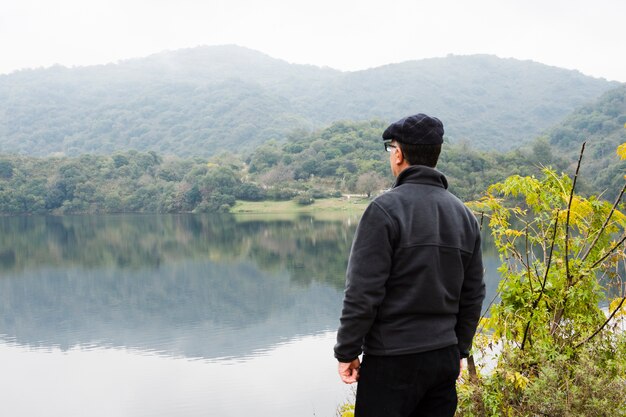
(415,385)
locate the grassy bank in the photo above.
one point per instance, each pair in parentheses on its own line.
(322,208)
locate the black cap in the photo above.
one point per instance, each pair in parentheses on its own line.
(418,129)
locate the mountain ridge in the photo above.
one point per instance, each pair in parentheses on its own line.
(195,101)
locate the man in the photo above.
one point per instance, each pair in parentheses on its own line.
(414,285)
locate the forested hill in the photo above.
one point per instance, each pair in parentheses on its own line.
(602,125)
(200,101)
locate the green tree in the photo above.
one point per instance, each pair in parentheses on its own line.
(249,192)
(6,169)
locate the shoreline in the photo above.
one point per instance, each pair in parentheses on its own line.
(323,207)
(352,205)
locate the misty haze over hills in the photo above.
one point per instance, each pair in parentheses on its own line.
(203,100)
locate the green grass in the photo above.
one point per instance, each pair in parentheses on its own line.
(323,208)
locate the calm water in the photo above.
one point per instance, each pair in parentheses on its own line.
(185,315)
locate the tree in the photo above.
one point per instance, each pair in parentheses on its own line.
(55,196)
(369,182)
(542,152)
(265,156)
(553,349)
(192,197)
(249,192)
(6,169)
(276,176)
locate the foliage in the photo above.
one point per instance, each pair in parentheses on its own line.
(548,348)
(345,157)
(327,160)
(6,169)
(470,172)
(346,410)
(123,182)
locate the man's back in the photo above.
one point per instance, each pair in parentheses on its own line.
(414,285)
(428,244)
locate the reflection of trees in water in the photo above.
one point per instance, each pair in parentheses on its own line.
(310,250)
(196,308)
(197,285)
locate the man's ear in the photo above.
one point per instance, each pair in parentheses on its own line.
(398,156)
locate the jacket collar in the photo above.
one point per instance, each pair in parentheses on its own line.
(420,174)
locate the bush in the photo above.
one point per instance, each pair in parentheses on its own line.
(305,199)
(317,193)
(552,349)
(216,203)
(249,192)
(281,194)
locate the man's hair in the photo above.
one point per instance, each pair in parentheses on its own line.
(421,154)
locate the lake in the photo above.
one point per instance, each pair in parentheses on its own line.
(173,315)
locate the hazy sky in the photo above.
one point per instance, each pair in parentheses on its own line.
(587,35)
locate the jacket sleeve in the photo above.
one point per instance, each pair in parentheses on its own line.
(368,270)
(471,301)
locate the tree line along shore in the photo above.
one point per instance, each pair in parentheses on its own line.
(305,167)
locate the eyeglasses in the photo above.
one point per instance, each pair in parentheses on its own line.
(388,146)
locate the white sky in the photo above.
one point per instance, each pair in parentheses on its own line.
(587,35)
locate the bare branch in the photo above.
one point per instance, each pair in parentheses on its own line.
(569,206)
(559,314)
(487,309)
(530,283)
(545,280)
(603,324)
(475,381)
(617,245)
(606,222)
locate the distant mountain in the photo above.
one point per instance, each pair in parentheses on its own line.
(602,125)
(205,100)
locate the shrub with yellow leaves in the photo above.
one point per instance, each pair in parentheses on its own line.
(553,340)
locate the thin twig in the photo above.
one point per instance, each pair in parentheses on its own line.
(606,222)
(545,279)
(603,324)
(569,207)
(517,255)
(622,291)
(599,261)
(561,312)
(487,310)
(530,283)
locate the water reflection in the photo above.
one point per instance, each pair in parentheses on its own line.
(296,378)
(195,286)
(173,315)
(182,285)
(309,249)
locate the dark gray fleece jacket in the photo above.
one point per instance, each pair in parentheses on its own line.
(415,275)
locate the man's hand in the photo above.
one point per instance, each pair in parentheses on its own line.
(349,371)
